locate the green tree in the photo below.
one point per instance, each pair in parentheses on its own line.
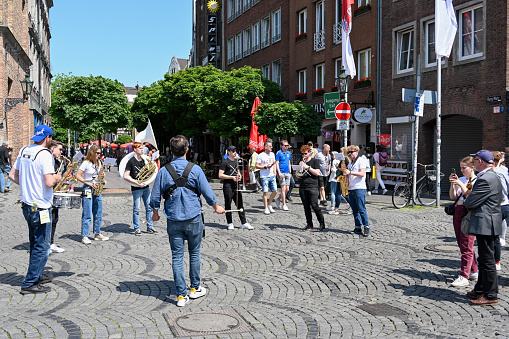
(90,105)
(123,139)
(287,119)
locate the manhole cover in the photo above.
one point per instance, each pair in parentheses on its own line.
(442,248)
(383,310)
(206,323)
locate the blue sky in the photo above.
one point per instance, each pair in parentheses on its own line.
(131,41)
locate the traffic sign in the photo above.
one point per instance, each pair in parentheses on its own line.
(342,125)
(342,111)
(331,100)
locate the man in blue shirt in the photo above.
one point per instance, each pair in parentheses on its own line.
(184,221)
(284,170)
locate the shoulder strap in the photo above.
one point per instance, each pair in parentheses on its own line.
(44,149)
(180,181)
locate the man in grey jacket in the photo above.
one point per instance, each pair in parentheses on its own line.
(486,223)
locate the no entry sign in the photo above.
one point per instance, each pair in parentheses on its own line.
(342,111)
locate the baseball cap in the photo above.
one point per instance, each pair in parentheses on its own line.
(485,156)
(231,148)
(41,132)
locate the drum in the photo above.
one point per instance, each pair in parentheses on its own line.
(66,201)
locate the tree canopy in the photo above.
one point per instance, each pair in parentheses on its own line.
(90,105)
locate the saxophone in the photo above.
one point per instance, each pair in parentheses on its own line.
(67,178)
(100,181)
(343,180)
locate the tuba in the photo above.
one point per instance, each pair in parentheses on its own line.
(148,172)
(100,181)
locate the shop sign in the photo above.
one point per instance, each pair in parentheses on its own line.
(384,139)
(363,115)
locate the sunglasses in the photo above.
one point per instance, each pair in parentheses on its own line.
(97,152)
(350,152)
(285,145)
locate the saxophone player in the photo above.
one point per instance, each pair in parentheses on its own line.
(56,149)
(92,204)
(335,187)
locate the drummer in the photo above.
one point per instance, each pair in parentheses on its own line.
(55,148)
(140,190)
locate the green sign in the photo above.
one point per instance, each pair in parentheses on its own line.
(331,100)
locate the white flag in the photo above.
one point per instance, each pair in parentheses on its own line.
(147,135)
(347,60)
(445,27)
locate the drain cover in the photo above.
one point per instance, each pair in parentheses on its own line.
(206,323)
(383,310)
(442,248)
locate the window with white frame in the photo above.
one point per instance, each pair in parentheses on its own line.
(364,64)
(266,71)
(276,72)
(405,50)
(339,10)
(276,25)
(338,64)
(336,29)
(303,17)
(256,36)
(231,51)
(255,2)
(238,46)
(429,40)
(471,32)
(363,3)
(247,4)
(302,81)
(265,31)
(247,42)
(320,16)
(238,7)
(320,76)
(231,10)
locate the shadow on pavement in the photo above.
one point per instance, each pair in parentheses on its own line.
(433,293)
(75,237)
(22,247)
(447,239)
(449,263)
(117,228)
(160,289)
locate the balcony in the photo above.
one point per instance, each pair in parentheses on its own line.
(247,5)
(276,37)
(230,60)
(337,33)
(319,40)
(265,43)
(255,48)
(230,17)
(255,2)
(246,52)
(238,12)
(238,56)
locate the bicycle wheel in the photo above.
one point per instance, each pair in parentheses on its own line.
(426,193)
(401,195)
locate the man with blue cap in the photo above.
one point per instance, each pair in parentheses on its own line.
(33,171)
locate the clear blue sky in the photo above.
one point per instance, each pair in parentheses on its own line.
(131,41)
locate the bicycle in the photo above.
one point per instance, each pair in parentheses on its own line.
(426,188)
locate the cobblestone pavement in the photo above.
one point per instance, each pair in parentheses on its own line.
(284,282)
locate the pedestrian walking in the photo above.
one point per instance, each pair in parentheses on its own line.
(254,173)
(284,171)
(501,171)
(308,190)
(5,168)
(324,159)
(265,163)
(380,158)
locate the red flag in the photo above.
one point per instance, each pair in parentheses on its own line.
(255,139)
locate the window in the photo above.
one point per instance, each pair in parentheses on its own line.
(266,71)
(336,29)
(256,36)
(319,38)
(320,76)
(364,64)
(405,51)
(276,25)
(247,42)
(231,10)
(238,46)
(471,27)
(255,2)
(303,16)
(338,64)
(339,10)
(247,4)
(302,81)
(276,72)
(265,31)
(363,2)
(231,51)
(238,8)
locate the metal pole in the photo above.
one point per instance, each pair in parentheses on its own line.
(439,127)
(416,135)
(379,71)
(68,143)
(346,131)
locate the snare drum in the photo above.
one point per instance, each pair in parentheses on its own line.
(66,200)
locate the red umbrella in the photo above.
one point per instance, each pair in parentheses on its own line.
(255,139)
(125,145)
(114,146)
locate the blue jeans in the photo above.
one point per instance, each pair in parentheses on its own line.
(358,203)
(91,207)
(269,184)
(39,236)
(4,183)
(138,195)
(335,194)
(178,232)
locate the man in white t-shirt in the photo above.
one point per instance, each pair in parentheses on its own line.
(34,173)
(357,187)
(265,163)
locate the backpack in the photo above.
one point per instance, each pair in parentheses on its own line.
(180,181)
(382,158)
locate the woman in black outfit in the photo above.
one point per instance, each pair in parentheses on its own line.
(309,188)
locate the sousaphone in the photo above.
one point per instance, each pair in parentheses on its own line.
(147,173)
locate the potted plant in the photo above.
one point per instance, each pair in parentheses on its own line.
(301,36)
(301,96)
(364,82)
(361,9)
(318,92)
(335,88)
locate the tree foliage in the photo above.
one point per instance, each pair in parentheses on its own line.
(123,139)
(90,105)
(287,119)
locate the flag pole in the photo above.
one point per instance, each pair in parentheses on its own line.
(439,124)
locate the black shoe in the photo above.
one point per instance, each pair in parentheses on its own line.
(357,230)
(308,228)
(322,227)
(151,231)
(289,198)
(37,288)
(45,278)
(365,233)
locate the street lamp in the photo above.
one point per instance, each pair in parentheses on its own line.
(26,86)
(344,81)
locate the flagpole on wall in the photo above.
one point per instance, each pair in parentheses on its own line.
(439,124)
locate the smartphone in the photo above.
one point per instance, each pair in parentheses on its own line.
(454,171)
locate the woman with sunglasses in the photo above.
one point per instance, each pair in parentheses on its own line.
(357,187)
(92,204)
(463,186)
(308,190)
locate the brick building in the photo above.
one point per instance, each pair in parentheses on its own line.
(24,37)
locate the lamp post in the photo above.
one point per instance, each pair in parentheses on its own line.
(344,81)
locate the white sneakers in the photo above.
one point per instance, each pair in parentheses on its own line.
(473,276)
(247,226)
(502,242)
(278,203)
(194,293)
(334,212)
(101,237)
(460,281)
(375,191)
(86,240)
(385,191)
(285,208)
(55,249)
(230,227)
(498,266)
(271,209)
(330,208)
(267,211)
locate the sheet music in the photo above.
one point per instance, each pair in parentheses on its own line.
(109,161)
(78,156)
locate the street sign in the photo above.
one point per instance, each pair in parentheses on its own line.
(408,95)
(331,100)
(342,111)
(342,125)
(419,104)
